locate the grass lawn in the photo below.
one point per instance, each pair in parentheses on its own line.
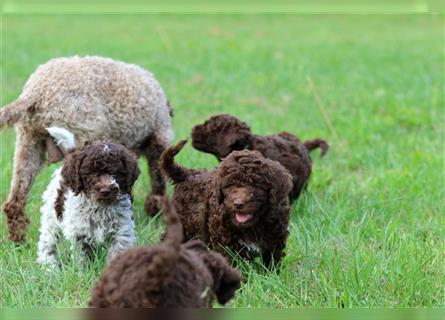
(368,232)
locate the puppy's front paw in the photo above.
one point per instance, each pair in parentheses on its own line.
(153,204)
(49,263)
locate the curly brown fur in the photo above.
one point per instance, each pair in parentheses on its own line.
(168,275)
(60,200)
(243,204)
(101,171)
(222,134)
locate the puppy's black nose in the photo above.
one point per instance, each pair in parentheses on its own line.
(105,192)
(238,204)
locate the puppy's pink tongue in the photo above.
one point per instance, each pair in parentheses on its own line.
(243,218)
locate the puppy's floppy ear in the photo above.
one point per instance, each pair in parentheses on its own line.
(281,185)
(217,187)
(234,137)
(132,169)
(226,280)
(220,196)
(230,282)
(71,171)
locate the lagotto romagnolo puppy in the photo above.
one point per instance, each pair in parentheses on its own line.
(167,275)
(223,133)
(242,204)
(88,200)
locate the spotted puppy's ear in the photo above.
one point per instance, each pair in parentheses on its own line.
(132,169)
(71,171)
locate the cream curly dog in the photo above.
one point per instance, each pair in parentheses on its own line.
(96,99)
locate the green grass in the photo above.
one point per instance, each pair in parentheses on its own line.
(370,229)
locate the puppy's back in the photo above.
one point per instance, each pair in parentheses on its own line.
(167,275)
(137,272)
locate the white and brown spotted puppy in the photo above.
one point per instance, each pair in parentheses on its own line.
(88,201)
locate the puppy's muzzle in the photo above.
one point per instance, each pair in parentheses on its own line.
(108,194)
(238,204)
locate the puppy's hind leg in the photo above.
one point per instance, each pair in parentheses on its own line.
(28,159)
(152,150)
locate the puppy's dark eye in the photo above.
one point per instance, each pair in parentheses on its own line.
(237,146)
(259,191)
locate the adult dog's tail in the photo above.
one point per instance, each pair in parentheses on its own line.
(317,143)
(63,138)
(13,112)
(174,171)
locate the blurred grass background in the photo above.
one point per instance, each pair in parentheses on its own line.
(370,229)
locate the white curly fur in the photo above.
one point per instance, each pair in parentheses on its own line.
(85,223)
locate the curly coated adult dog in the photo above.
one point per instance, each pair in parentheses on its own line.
(243,204)
(88,200)
(96,99)
(168,275)
(222,134)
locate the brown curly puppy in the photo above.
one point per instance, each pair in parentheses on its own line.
(222,134)
(168,275)
(243,204)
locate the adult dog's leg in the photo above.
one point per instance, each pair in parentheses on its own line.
(28,159)
(152,151)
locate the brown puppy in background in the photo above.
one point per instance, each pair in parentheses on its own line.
(222,134)
(167,275)
(243,204)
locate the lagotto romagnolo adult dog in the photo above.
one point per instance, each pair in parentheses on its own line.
(96,99)
(88,200)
